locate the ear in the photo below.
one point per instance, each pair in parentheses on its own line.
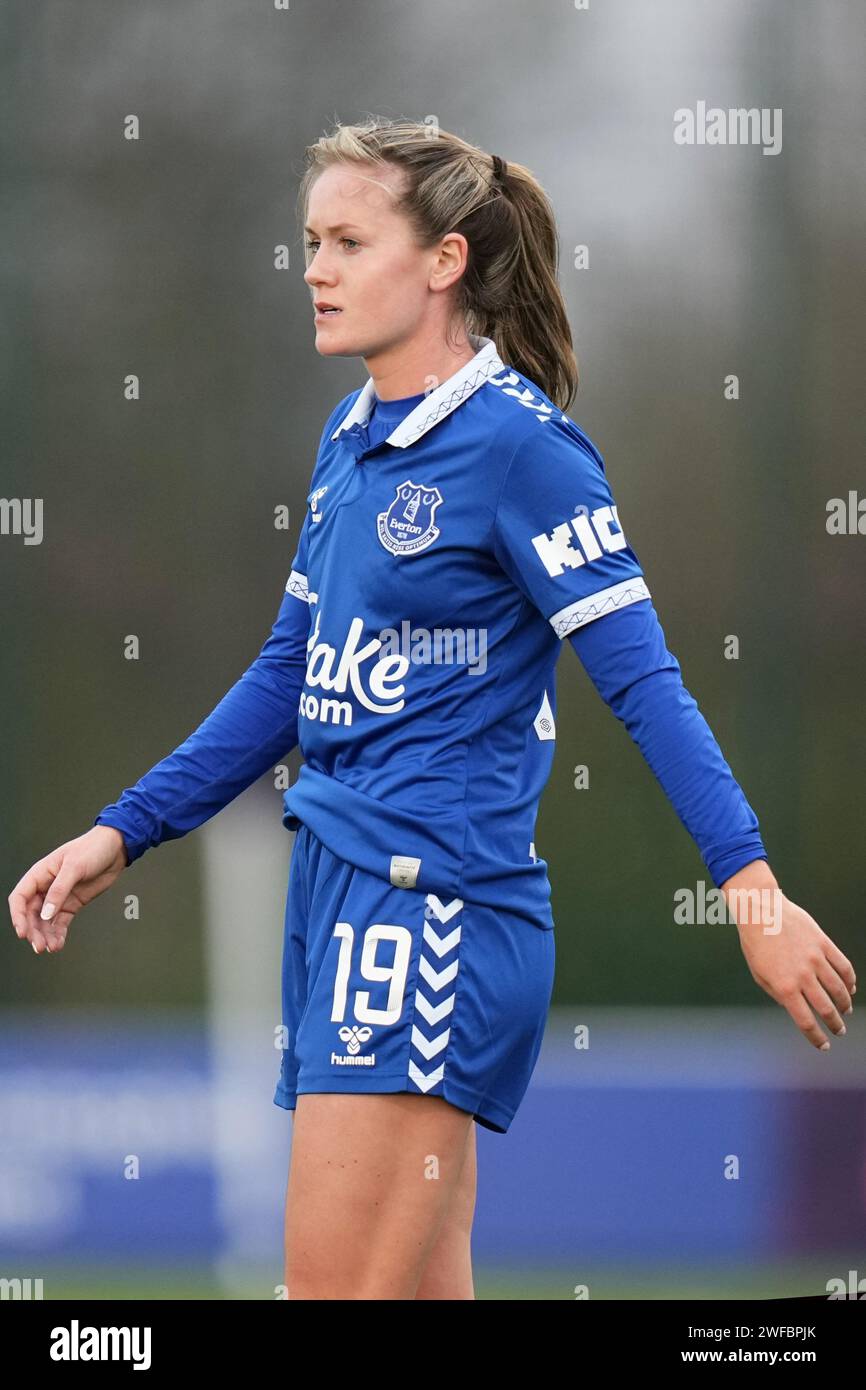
(451,260)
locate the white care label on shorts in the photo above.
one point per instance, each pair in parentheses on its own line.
(404,870)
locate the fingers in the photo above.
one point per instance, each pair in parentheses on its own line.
(41,938)
(814,995)
(25,900)
(835,987)
(45,939)
(56,899)
(817,996)
(55,928)
(798,1007)
(807,972)
(21,897)
(841,964)
(48,881)
(53,933)
(55,943)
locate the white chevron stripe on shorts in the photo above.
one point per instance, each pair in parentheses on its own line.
(435,991)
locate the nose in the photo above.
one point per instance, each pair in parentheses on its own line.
(316,272)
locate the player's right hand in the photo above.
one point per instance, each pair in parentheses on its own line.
(72,875)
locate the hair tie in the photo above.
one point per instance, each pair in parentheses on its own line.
(500,169)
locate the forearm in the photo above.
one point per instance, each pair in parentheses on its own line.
(641,682)
(252,727)
(247,732)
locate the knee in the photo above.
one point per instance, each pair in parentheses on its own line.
(359,1277)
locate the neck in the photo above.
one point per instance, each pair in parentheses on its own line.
(419,365)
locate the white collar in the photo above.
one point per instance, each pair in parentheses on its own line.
(439,403)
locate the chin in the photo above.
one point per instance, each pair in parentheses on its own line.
(331,343)
(340,346)
(328,349)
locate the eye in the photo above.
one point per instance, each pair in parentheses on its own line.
(312,245)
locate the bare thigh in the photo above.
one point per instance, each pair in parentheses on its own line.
(371,1181)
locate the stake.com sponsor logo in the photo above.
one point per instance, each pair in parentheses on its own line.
(379,686)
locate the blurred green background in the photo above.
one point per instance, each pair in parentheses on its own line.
(156,257)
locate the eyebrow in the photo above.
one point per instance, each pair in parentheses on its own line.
(340,227)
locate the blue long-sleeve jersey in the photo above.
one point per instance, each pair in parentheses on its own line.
(439,765)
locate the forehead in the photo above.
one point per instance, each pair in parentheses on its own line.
(356,194)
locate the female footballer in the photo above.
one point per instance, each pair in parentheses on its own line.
(459,526)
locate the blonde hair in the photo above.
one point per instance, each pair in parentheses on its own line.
(509,291)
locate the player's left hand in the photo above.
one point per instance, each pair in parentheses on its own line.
(798,965)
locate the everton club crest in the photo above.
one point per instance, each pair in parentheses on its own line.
(407,526)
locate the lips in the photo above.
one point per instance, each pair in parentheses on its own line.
(322,307)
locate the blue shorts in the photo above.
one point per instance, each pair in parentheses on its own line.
(391,989)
